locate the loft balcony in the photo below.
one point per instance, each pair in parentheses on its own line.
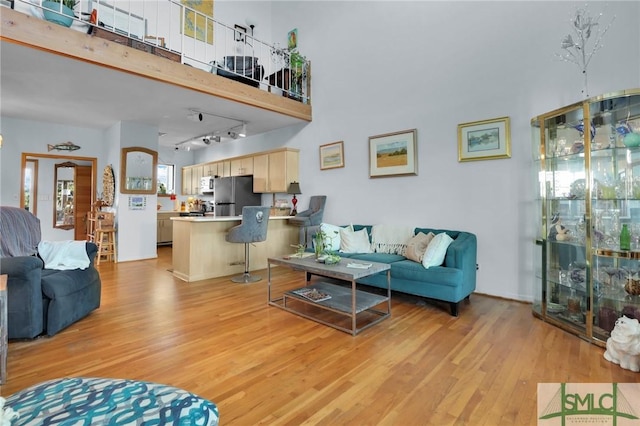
(250,79)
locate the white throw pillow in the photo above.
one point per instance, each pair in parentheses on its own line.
(436,250)
(354,241)
(333,235)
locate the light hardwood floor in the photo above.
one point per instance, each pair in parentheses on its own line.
(262,365)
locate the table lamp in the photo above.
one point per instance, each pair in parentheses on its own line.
(294,188)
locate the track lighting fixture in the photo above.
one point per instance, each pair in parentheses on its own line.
(195,116)
(232,135)
(243,131)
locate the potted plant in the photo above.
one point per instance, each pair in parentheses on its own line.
(52,8)
(299,67)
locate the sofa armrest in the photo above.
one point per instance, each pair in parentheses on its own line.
(20,266)
(24,294)
(462,254)
(92,251)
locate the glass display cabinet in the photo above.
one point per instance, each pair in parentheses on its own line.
(588,158)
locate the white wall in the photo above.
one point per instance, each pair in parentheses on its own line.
(137,229)
(33,137)
(381,67)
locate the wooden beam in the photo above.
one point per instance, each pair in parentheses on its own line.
(29,31)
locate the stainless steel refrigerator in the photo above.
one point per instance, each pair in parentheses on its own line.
(231,194)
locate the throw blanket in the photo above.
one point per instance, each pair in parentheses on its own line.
(64,255)
(390,238)
(19,232)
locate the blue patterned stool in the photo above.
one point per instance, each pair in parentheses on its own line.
(77,401)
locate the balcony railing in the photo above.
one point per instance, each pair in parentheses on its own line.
(199,40)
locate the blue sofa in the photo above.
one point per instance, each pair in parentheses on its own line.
(41,301)
(452,282)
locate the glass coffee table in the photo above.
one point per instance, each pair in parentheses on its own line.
(345,308)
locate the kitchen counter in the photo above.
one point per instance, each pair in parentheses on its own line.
(219,218)
(200,250)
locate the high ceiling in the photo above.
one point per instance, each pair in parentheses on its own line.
(42,86)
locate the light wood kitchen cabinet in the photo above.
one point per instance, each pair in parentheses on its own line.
(224,168)
(186,181)
(196,176)
(242,166)
(165,227)
(210,169)
(274,171)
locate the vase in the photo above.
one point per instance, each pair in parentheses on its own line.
(51,10)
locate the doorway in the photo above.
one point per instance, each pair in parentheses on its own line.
(85,187)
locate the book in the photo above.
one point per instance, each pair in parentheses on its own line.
(359,265)
(312,294)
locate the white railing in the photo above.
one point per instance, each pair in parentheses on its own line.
(202,42)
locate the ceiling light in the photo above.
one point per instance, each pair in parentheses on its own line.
(195,116)
(243,131)
(233,135)
(216,138)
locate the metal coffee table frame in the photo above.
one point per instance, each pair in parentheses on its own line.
(344,301)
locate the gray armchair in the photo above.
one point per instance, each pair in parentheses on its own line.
(41,300)
(310,217)
(253,229)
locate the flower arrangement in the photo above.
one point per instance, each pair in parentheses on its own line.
(577,51)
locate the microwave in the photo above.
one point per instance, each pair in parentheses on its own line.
(206,185)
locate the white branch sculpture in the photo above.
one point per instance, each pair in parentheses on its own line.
(577,51)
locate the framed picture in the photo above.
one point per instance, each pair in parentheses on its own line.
(240,33)
(292,39)
(393,154)
(197,25)
(484,140)
(332,155)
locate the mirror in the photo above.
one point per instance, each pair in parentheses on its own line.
(64,190)
(138,171)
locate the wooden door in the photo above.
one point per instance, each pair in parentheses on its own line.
(82,200)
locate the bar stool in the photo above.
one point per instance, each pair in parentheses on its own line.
(253,229)
(106,240)
(105,237)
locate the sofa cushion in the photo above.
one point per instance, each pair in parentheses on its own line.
(410,270)
(378,257)
(418,245)
(354,241)
(436,250)
(56,283)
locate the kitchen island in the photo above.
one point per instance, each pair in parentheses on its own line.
(200,250)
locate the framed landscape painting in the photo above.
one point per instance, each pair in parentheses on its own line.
(332,155)
(393,154)
(484,140)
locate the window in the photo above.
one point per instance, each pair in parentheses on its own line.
(166,179)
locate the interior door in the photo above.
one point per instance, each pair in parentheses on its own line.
(83,197)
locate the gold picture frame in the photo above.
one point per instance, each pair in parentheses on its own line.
(332,155)
(393,154)
(484,140)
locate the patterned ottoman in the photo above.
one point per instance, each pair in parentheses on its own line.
(97,401)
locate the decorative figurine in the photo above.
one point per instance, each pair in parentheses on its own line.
(623,347)
(557,232)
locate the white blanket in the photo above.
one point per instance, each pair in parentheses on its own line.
(64,255)
(390,238)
